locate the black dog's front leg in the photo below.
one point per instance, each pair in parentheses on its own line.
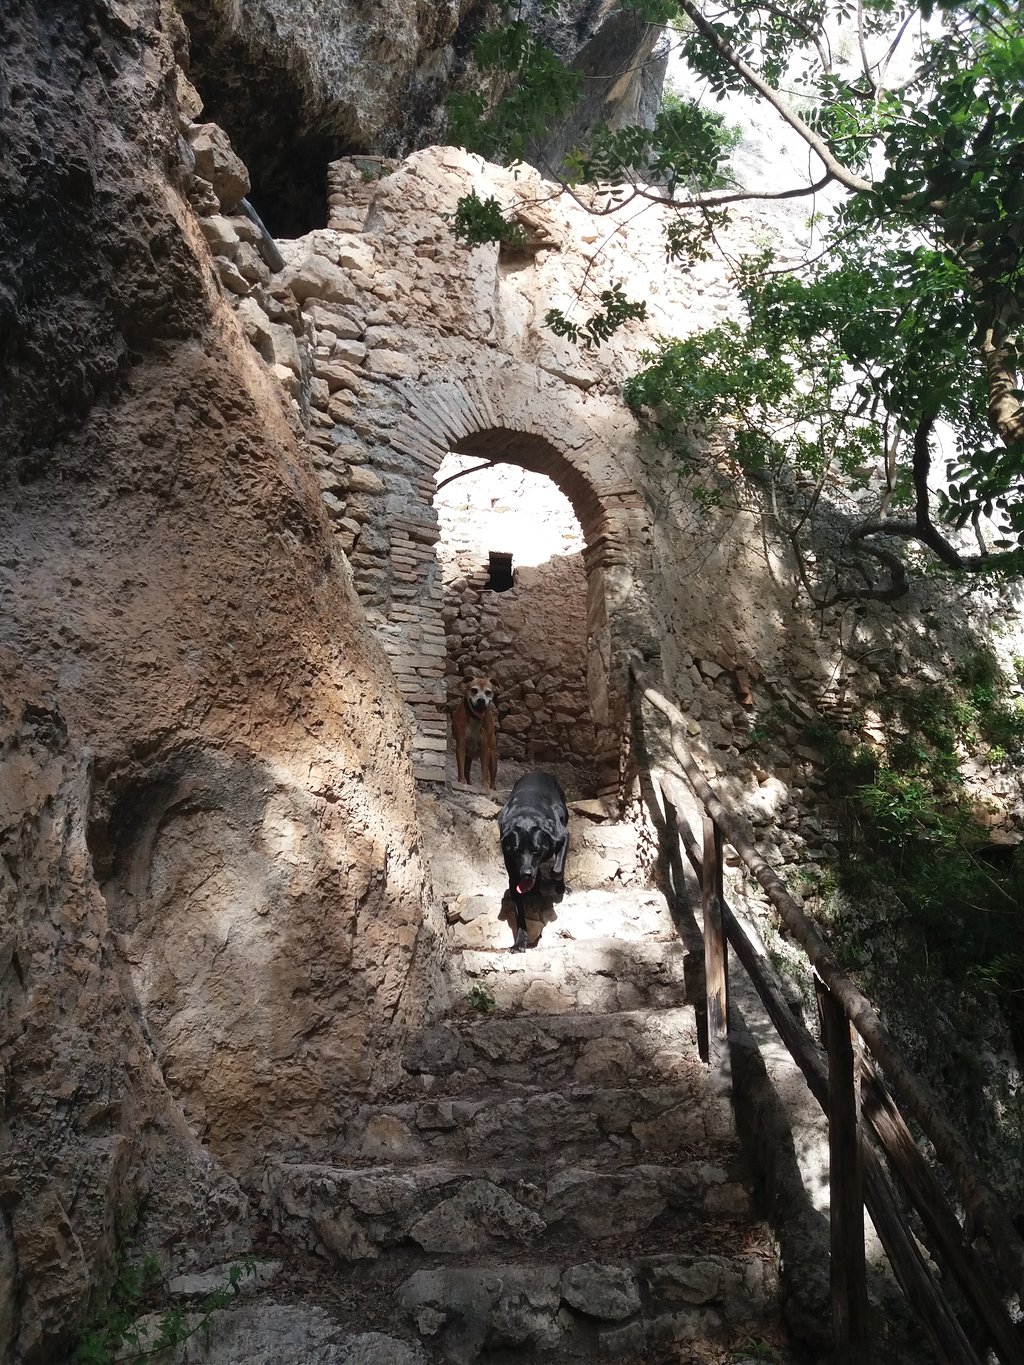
(511,867)
(558,868)
(520,944)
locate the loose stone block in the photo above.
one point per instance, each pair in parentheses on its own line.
(217,163)
(392,363)
(221,235)
(319,278)
(231,277)
(255,324)
(602,1291)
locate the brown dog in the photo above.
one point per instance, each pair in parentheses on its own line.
(475,728)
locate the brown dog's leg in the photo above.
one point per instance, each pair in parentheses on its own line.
(489,750)
(492,766)
(459,736)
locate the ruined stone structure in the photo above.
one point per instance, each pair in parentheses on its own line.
(386,424)
(244,918)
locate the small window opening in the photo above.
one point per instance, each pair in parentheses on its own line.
(502,575)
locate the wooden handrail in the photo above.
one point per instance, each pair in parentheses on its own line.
(926,1194)
(984,1209)
(937,1319)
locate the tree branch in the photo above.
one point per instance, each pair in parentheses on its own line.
(725,49)
(461,474)
(1005,414)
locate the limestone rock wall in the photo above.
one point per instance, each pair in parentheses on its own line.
(224,656)
(298,83)
(212,914)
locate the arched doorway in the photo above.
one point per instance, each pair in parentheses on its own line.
(514,585)
(380,484)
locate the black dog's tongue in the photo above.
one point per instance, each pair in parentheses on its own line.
(526,885)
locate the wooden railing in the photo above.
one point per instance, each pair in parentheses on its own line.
(846,1080)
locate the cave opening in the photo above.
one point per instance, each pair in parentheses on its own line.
(260,104)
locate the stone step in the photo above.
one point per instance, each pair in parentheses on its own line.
(465,858)
(598,1126)
(351,1214)
(488,920)
(525,1053)
(598,975)
(634,1309)
(637,1307)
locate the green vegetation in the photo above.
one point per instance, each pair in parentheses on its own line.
(754,1349)
(481,998)
(615,310)
(913,830)
(477,220)
(906,319)
(115,1331)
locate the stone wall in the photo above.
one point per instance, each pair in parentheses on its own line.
(457,359)
(396,369)
(456,352)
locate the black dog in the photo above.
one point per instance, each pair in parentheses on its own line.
(534,826)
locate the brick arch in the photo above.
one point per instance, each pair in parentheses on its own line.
(529,418)
(517,414)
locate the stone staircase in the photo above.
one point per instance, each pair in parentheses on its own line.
(556,1178)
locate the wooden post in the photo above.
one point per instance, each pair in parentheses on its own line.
(929,1303)
(715,963)
(846,1188)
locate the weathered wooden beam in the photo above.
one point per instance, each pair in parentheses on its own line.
(803,1047)
(945,1232)
(846,1188)
(947,1337)
(716,981)
(908,1265)
(981,1201)
(912,1271)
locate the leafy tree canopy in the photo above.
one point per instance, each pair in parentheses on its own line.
(908,321)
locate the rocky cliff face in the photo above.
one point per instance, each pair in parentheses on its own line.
(297,83)
(204,775)
(215,926)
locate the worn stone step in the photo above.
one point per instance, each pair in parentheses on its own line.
(617,1309)
(596,976)
(350,1214)
(269,1332)
(465,857)
(549,1052)
(599,1126)
(488,920)
(620,1306)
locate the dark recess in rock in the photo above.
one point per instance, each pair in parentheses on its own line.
(259,104)
(287,122)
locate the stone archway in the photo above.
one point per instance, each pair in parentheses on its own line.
(515,608)
(519,415)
